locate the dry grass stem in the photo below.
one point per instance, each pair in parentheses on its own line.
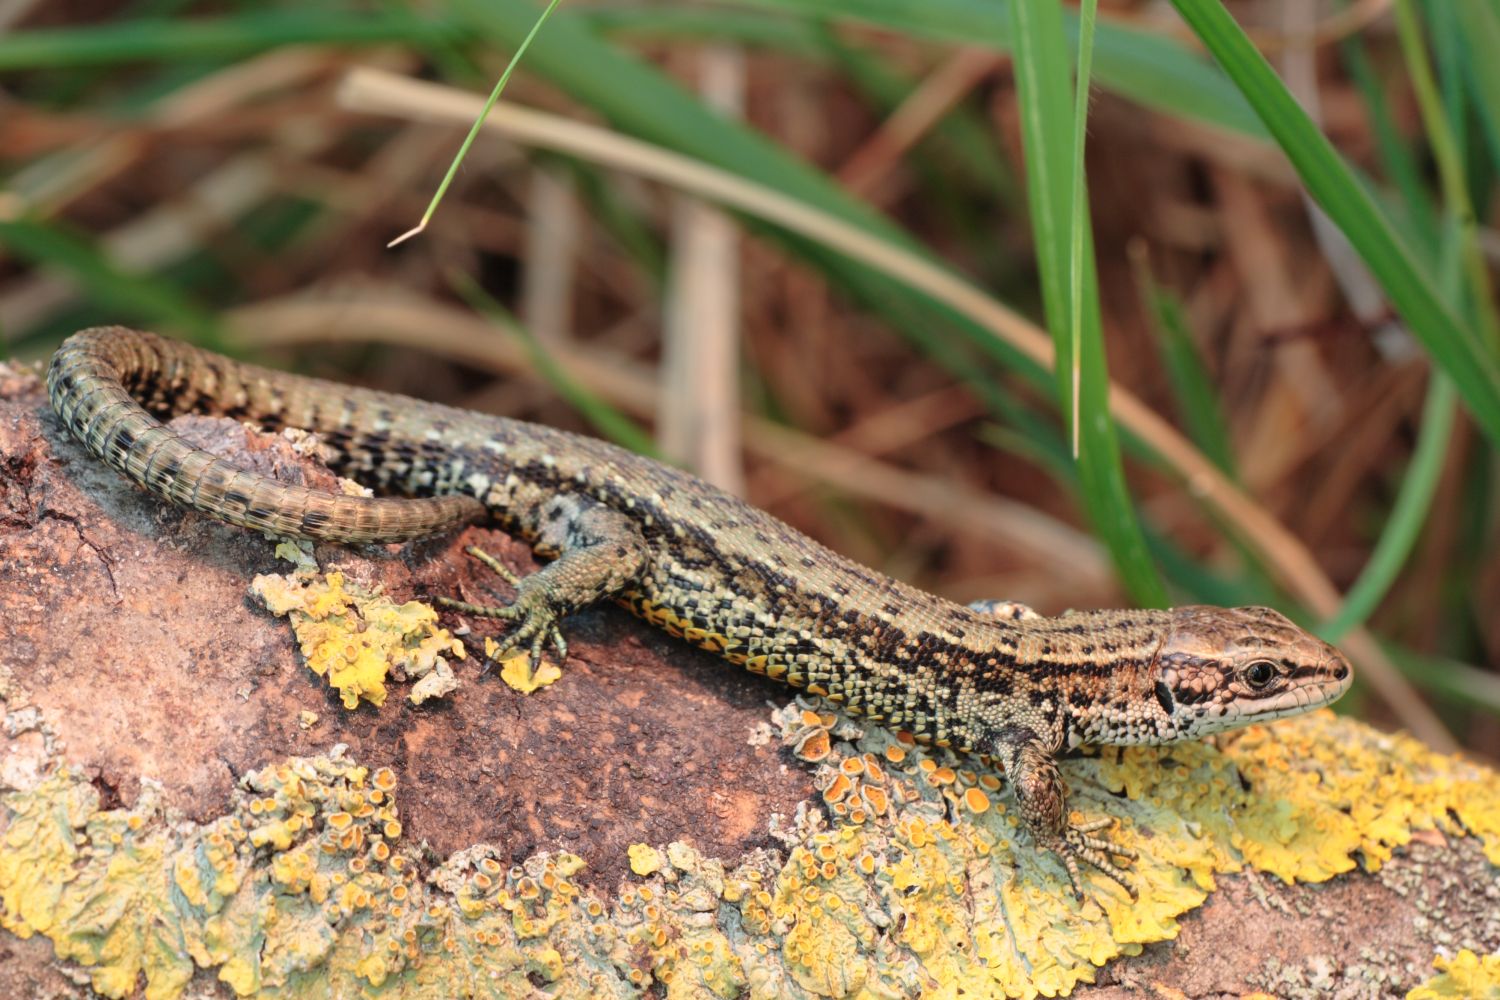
(1290,560)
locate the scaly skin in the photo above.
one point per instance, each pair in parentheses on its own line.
(995,678)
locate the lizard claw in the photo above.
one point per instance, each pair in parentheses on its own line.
(1075,845)
(538,621)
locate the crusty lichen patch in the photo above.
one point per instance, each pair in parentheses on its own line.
(516,671)
(921,884)
(355,637)
(985,915)
(299,891)
(1465,976)
(1321,803)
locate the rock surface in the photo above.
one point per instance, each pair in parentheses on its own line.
(126,627)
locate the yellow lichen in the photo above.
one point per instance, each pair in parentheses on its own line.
(1319,803)
(39,850)
(516,671)
(1465,976)
(355,637)
(988,915)
(304,888)
(515,668)
(95,895)
(644,859)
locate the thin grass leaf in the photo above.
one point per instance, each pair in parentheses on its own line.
(1078,209)
(604,418)
(463,149)
(1153,69)
(186,40)
(1459,684)
(1452,345)
(1481,41)
(1400,166)
(1065,255)
(1192,387)
(1408,514)
(1443,119)
(790,35)
(134,297)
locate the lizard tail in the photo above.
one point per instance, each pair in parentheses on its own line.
(95,372)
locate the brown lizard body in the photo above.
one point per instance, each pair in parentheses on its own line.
(703,564)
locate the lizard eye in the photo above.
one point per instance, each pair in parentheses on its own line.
(1259,673)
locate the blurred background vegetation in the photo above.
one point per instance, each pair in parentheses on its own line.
(1303,408)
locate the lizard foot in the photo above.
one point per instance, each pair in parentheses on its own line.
(1077,844)
(538,620)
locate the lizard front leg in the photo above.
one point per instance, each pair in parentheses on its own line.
(599,552)
(1031,765)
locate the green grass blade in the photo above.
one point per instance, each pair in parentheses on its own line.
(1192,387)
(463,149)
(1408,514)
(1152,69)
(133,296)
(183,39)
(604,418)
(1481,41)
(1395,154)
(1452,346)
(1078,209)
(1045,89)
(791,35)
(1443,120)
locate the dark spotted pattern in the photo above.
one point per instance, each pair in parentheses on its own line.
(997,679)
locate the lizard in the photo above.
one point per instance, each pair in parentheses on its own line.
(994,678)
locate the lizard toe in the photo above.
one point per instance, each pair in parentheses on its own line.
(1093,825)
(1077,845)
(496,566)
(505,612)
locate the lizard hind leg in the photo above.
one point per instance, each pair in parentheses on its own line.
(599,553)
(1031,767)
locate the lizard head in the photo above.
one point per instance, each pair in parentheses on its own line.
(1203,670)
(1221,668)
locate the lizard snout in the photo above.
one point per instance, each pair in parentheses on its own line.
(1336,673)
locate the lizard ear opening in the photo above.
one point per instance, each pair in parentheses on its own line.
(1164,697)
